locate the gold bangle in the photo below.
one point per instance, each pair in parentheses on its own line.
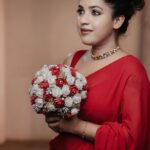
(84,131)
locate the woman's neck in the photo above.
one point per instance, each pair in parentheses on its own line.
(104,47)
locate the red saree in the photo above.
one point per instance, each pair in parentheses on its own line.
(118,99)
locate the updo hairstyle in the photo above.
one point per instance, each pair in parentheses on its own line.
(126,8)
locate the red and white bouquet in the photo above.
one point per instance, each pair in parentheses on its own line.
(58,88)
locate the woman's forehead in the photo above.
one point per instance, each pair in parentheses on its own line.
(92,2)
(100,3)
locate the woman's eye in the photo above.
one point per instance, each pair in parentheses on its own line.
(80,11)
(96,13)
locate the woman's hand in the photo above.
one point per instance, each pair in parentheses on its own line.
(74,126)
(59,124)
(52,120)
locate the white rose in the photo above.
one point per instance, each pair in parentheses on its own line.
(78,75)
(70,80)
(39,103)
(66,70)
(56,92)
(38,73)
(34,89)
(77,98)
(65,90)
(50,107)
(79,84)
(30,90)
(49,75)
(39,93)
(46,75)
(49,91)
(68,102)
(74,111)
(45,69)
(36,108)
(84,81)
(42,71)
(83,94)
(82,78)
(52,81)
(39,79)
(50,66)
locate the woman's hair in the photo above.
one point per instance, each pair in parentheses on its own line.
(126,8)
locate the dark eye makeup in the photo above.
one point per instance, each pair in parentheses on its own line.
(80,11)
(95,12)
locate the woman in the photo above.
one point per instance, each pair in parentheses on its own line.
(115,114)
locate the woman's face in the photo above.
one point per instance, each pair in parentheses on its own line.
(94,21)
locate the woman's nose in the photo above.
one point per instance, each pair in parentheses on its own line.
(84,19)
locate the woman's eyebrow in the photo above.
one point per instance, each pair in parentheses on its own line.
(91,7)
(80,6)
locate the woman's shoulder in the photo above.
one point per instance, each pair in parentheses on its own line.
(133,66)
(69,57)
(133,63)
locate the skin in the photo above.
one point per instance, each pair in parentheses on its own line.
(101,39)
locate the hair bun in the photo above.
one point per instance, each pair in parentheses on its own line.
(137,4)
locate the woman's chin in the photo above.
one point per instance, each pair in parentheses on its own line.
(87,42)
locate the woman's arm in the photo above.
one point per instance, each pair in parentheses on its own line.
(86,130)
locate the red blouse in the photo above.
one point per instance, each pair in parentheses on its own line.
(118,100)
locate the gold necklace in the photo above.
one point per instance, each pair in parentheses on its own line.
(105,54)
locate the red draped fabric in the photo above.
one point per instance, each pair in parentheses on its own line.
(118,100)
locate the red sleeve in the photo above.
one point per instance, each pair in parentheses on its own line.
(132,132)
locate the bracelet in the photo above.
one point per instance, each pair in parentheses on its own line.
(84,131)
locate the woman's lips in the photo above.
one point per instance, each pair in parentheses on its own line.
(85,31)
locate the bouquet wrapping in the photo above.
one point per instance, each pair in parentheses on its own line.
(58,88)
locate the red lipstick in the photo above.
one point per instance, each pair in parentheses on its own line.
(85,31)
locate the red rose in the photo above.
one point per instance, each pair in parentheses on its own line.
(33,98)
(33,80)
(60,65)
(68,115)
(58,102)
(73,71)
(44,85)
(60,82)
(47,97)
(55,70)
(73,90)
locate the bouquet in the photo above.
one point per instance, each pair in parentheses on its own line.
(58,88)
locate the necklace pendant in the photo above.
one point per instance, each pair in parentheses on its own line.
(105,54)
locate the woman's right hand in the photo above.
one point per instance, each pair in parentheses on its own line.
(52,118)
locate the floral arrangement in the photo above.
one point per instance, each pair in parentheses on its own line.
(58,88)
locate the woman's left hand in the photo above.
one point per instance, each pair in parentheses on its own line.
(63,125)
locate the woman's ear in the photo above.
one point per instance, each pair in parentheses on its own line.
(118,21)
